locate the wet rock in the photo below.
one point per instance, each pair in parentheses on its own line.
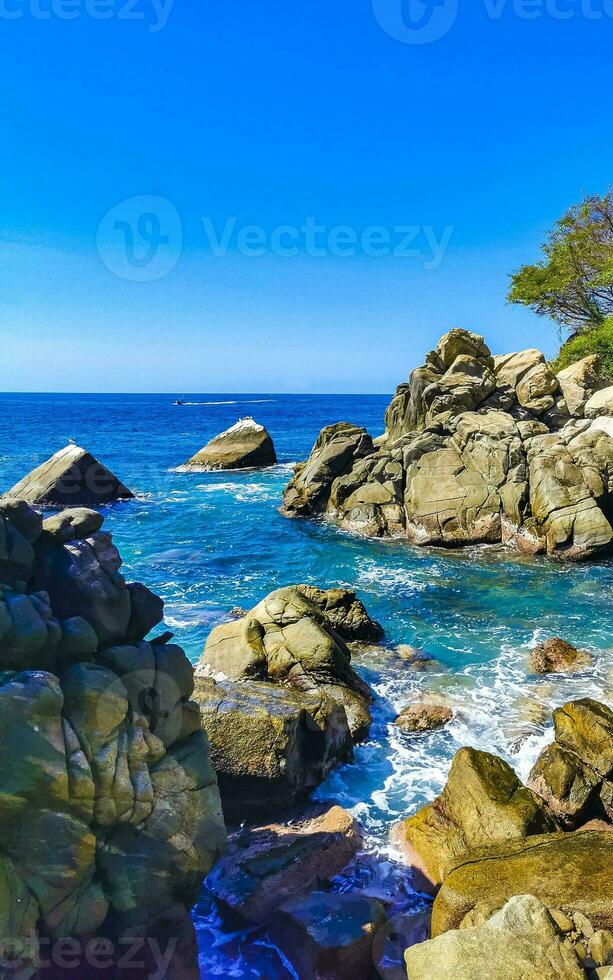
(556,656)
(70,478)
(521,940)
(424,717)
(243,446)
(329,936)
(575,775)
(290,638)
(572,872)
(264,867)
(345,613)
(394,938)
(337,448)
(483,802)
(270,746)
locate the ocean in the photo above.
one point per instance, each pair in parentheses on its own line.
(208,542)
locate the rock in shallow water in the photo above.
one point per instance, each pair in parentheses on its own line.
(424,717)
(556,656)
(246,444)
(70,478)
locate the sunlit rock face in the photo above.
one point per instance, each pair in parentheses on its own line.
(477,449)
(109,807)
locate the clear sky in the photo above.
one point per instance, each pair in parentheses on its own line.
(373,191)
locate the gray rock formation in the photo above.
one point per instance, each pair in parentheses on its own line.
(477,449)
(70,478)
(109,807)
(246,444)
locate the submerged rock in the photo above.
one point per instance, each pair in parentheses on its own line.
(109,807)
(329,936)
(568,871)
(243,446)
(294,638)
(483,802)
(522,940)
(264,867)
(70,478)
(270,746)
(477,450)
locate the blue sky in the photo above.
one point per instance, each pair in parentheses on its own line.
(151,131)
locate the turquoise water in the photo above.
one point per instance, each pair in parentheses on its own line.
(207,542)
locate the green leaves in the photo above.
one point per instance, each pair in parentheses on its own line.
(573,283)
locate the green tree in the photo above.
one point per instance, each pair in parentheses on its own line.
(573,283)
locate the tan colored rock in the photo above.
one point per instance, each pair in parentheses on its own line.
(600,404)
(521,940)
(244,445)
(580,381)
(556,656)
(483,802)
(424,717)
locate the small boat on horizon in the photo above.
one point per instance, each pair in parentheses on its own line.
(179,401)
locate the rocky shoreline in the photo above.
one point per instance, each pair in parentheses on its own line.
(130,776)
(477,449)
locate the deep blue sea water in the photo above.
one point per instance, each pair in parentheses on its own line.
(207,542)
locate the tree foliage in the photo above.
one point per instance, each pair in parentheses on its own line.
(573,283)
(599,341)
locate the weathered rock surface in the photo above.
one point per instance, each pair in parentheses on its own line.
(270,746)
(424,717)
(522,940)
(556,656)
(575,775)
(264,867)
(109,807)
(243,446)
(70,478)
(476,450)
(483,802)
(329,936)
(294,637)
(568,871)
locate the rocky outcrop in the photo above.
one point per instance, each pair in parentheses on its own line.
(483,802)
(265,867)
(477,449)
(574,776)
(109,807)
(568,871)
(522,940)
(243,446)
(270,746)
(294,637)
(70,478)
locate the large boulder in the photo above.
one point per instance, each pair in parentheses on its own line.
(264,867)
(70,478)
(244,445)
(291,638)
(109,808)
(483,802)
(575,775)
(568,871)
(476,450)
(270,746)
(522,940)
